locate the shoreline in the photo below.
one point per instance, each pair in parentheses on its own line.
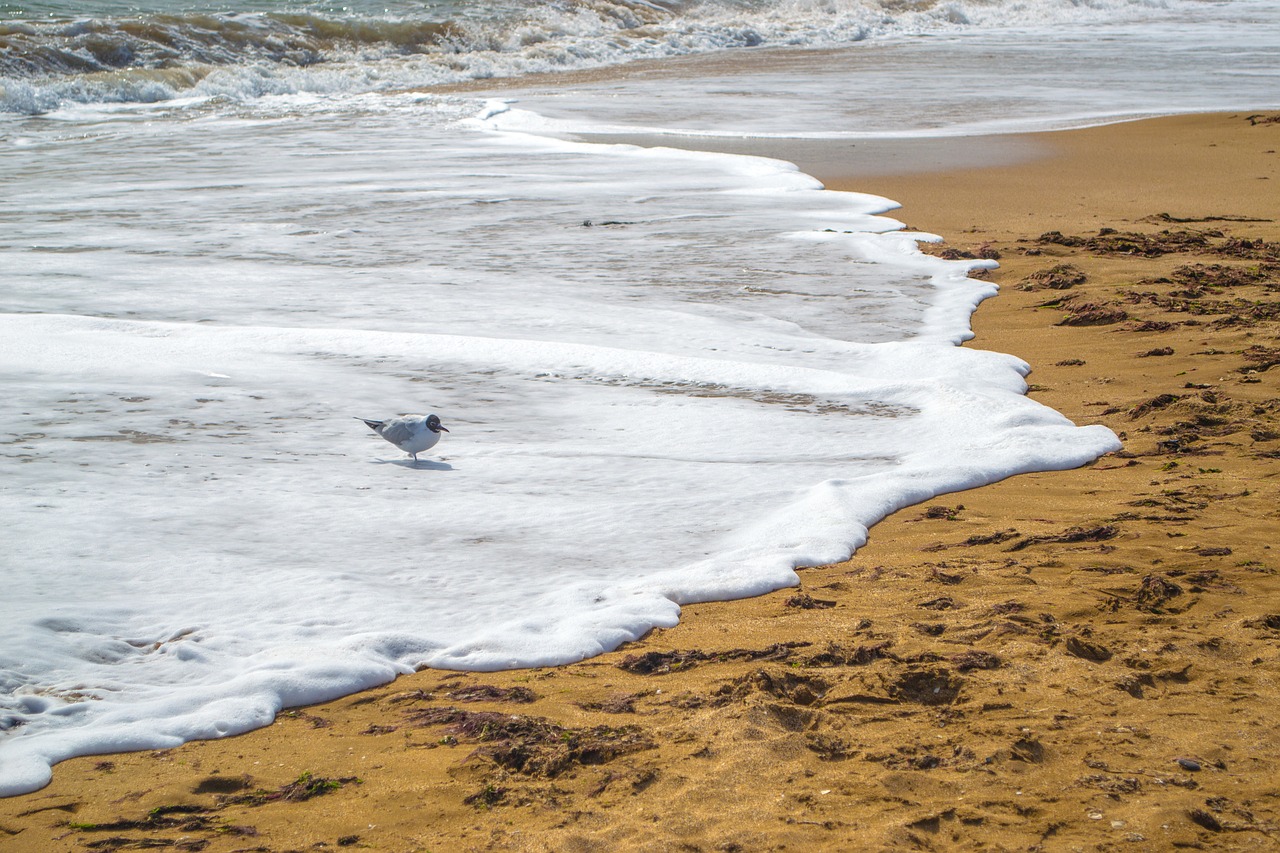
(855,159)
(996,666)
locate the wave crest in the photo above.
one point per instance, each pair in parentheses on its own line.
(145,58)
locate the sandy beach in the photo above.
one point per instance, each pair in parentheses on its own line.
(1072,660)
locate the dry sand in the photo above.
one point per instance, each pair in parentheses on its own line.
(1079,660)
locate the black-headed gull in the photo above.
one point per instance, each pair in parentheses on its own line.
(411,433)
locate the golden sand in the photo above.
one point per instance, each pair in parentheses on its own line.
(1063,661)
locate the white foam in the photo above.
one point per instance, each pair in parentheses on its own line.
(223,546)
(510,41)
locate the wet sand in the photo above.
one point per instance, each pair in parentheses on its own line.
(1074,660)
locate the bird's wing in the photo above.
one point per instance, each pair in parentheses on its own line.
(396,431)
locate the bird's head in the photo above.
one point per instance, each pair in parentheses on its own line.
(433,424)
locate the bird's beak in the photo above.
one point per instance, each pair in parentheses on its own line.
(441,429)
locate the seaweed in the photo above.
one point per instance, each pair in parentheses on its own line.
(534,746)
(1060,277)
(1074,534)
(489,693)
(662,663)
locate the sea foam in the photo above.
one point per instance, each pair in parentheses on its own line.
(161,50)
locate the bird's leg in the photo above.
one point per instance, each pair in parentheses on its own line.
(415,459)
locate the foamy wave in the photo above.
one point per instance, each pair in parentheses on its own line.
(145,59)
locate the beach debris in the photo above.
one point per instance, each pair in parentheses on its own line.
(984,251)
(661,663)
(534,746)
(191,818)
(305,787)
(1087,649)
(929,685)
(976,659)
(805,601)
(621,703)
(837,655)
(800,689)
(1188,764)
(936,575)
(1152,326)
(1210,579)
(414,695)
(1222,815)
(1027,749)
(1100,533)
(1158,351)
(1160,401)
(310,719)
(186,818)
(829,747)
(1260,358)
(1134,684)
(912,757)
(1228,313)
(993,538)
(1159,218)
(1109,241)
(1215,277)
(1205,819)
(1110,784)
(1270,621)
(1248,249)
(1006,607)
(489,693)
(486,797)
(1091,314)
(1154,592)
(1059,277)
(932,823)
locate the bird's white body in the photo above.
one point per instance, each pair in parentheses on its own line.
(411,433)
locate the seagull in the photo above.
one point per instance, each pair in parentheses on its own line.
(411,433)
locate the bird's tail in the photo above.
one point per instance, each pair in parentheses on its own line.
(373,425)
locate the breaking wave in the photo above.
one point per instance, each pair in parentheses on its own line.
(153,57)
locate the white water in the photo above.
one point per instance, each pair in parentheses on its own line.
(1064,53)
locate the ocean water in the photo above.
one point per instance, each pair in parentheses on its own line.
(669,376)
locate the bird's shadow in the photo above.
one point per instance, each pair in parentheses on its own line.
(420,465)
